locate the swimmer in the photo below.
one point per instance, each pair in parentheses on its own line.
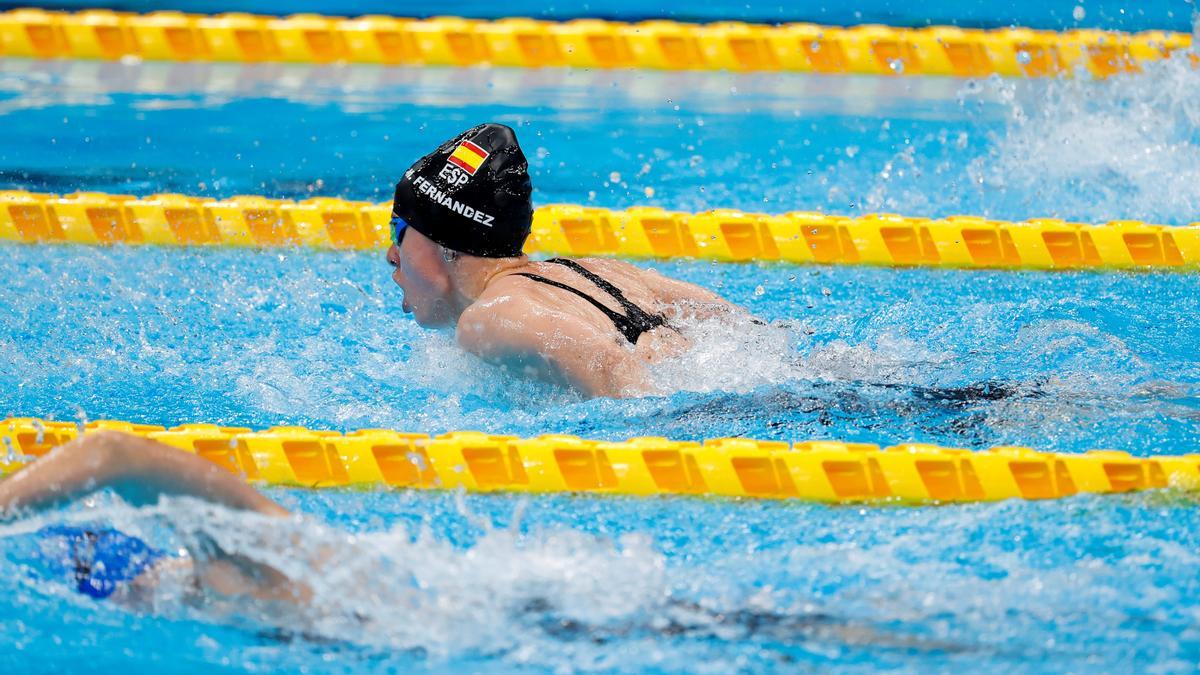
(460,219)
(108,565)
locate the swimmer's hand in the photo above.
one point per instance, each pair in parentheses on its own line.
(137,469)
(522,334)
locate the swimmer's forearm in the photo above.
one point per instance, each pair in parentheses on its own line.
(138,469)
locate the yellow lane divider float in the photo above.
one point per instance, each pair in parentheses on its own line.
(584,43)
(796,237)
(814,470)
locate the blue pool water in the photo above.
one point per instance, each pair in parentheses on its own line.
(1076,149)
(670,585)
(450,582)
(265,338)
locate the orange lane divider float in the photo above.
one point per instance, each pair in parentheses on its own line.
(583,43)
(645,232)
(825,471)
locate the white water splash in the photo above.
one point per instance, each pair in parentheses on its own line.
(994,580)
(728,354)
(391,590)
(396,591)
(1127,147)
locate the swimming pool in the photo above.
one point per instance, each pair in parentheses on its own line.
(288,336)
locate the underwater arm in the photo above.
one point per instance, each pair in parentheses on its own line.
(138,469)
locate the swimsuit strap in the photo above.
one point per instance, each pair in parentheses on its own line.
(633,312)
(632,323)
(631,331)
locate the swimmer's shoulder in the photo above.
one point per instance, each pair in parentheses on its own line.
(613,270)
(512,311)
(504,294)
(502,314)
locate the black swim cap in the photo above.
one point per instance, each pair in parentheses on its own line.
(471,195)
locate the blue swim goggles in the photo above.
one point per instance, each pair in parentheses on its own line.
(398,226)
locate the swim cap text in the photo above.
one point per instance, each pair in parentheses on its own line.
(434,193)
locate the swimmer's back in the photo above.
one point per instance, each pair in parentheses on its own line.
(646,288)
(592,323)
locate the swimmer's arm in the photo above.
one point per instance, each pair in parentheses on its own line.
(141,471)
(138,469)
(508,333)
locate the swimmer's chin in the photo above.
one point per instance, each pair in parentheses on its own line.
(437,317)
(433,313)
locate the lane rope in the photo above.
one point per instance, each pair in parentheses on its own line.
(637,232)
(826,471)
(582,43)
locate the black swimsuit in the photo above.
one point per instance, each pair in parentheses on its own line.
(632,323)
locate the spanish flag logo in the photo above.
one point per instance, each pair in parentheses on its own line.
(468,157)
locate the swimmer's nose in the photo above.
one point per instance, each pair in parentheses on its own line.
(393,258)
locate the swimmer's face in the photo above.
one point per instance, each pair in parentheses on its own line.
(421,273)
